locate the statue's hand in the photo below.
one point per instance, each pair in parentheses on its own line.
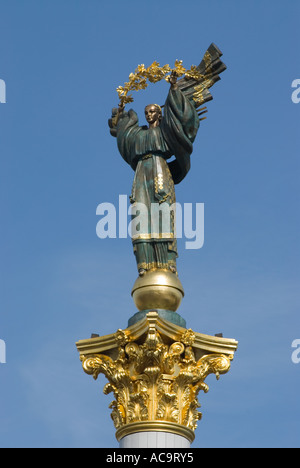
(121,108)
(113,130)
(112,122)
(173,80)
(116,113)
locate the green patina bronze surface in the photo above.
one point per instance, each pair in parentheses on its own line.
(147,151)
(168,315)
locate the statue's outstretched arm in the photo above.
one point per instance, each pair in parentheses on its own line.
(112,122)
(173,80)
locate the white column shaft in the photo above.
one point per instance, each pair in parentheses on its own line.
(154,439)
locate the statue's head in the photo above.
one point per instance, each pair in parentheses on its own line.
(153,114)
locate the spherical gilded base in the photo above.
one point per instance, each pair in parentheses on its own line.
(158,289)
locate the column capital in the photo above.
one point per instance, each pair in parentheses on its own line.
(155,370)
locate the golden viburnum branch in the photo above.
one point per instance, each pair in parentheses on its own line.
(153,73)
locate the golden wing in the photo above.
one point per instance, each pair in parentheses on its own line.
(207,74)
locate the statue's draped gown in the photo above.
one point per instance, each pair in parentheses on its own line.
(147,150)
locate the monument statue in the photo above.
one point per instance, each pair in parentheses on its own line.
(156,367)
(148,149)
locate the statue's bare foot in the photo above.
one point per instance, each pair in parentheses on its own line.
(142,271)
(173,269)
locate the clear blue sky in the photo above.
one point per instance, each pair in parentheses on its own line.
(62,61)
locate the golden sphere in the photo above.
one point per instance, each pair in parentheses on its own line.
(157,289)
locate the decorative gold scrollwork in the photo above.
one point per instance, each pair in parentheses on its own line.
(154,380)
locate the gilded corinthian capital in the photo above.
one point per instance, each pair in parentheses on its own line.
(155,371)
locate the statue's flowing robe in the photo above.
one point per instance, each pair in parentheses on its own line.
(147,150)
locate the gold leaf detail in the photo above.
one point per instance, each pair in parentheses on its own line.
(153,380)
(153,73)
